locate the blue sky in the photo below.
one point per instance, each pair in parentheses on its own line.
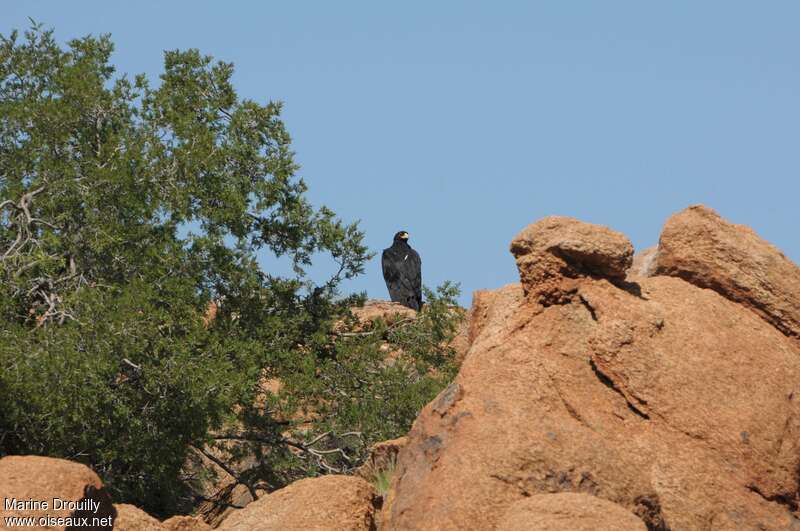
(462,122)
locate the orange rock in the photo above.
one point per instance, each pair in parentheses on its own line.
(131,518)
(554,251)
(699,246)
(378,309)
(568,512)
(493,313)
(343,503)
(672,402)
(54,493)
(185,523)
(461,343)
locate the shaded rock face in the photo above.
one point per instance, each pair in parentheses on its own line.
(344,503)
(567,512)
(700,247)
(671,401)
(553,253)
(45,479)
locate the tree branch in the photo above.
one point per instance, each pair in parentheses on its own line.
(229,470)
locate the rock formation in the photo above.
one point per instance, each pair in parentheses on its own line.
(341,503)
(131,518)
(700,247)
(677,404)
(552,254)
(75,498)
(603,391)
(390,312)
(71,492)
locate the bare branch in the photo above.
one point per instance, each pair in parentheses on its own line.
(228,470)
(318,455)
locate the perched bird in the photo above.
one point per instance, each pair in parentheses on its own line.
(402,271)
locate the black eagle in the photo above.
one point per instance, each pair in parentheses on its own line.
(402,271)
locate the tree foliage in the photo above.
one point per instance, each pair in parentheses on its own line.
(125,208)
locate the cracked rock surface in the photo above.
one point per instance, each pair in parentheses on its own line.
(673,403)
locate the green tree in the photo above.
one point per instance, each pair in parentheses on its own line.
(103,356)
(361,384)
(125,209)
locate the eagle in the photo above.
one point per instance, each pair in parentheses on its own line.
(402,271)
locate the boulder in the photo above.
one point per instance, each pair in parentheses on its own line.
(670,401)
(131,518)
(73,494)
(701,247)
(555,251)
(344,503)
(185,523)
(229,499)
(568,511)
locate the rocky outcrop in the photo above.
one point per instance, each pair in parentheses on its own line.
(673,402)
(552,254)
(73,494)
(344,503)
(600,392)
(388,311)
(568,512)
(395,314)
(700,247)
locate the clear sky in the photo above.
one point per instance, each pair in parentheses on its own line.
(462,122)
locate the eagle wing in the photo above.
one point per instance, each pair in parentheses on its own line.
(415,275)
(390,271)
